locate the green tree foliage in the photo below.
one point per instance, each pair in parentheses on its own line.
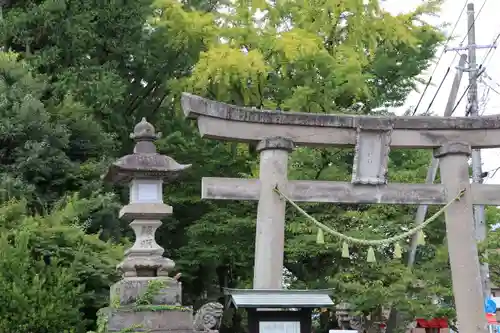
(79,75)
(35,297)
(52,271)
(76,79)
(47,150)
(491,247)
(324,57)
(317,57)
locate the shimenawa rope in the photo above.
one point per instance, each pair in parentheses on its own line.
(371,253)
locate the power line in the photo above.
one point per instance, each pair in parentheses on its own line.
(461,97)
(480,70)
(439,59)
(473,110)
(436,93)
(495,90)
(452,61)
(468,30)
(491,49)
(473,21)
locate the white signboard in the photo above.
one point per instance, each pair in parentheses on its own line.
(279,327)
(147,193)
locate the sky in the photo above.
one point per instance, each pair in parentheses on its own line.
(487,28)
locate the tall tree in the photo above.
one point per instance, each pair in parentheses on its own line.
(78,78)
(324,56)
(89,72)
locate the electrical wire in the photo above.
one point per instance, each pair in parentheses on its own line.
(474,21)
(495,90)
(491,80)
(489,89)
(492,49)
(460,99)
(436,93)
(485,98)
(439,59)
(468,31)
(481,66)
(452,61)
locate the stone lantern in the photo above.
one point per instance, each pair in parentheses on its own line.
(145,171)
(144,265)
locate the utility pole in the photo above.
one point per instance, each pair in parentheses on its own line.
(394,316)
(433,167)
(472,110)
(477,172)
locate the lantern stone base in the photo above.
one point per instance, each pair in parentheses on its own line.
(133,266)
(161,290)
(147,211)
(158,319)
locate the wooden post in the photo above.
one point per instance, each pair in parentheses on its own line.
(270,233)
(462,245)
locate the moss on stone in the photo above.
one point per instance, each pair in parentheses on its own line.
(102,321)
(153,289)
(143,303)
(151,307)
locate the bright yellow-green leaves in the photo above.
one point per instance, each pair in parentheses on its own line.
(298,44)
(186,27)
(300,55)
(222,68)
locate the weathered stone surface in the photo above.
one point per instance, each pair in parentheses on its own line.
(453,148)
(228,122)
(275,143)
(208,317)
(270,225)
(454,138)
(158,321)
(371,155)
(144,269)
(343,192)
(462,245)
(145,256)
(145,162)
(148,266)
(145,166)
(127,290)
(195,106)
(153,211)
(145,242)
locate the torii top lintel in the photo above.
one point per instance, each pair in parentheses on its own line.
(234,123)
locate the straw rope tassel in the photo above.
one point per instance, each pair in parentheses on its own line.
(397,251)
(370,257)
(345,250)
(378,242)
(320,237)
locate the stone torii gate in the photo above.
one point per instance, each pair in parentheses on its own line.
(278,132)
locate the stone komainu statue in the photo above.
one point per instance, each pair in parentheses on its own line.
(208,318)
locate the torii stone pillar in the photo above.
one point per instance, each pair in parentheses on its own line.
(270,228)
(469,303)
(372,138)
(144,264)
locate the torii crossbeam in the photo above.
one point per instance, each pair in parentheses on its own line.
(278,132)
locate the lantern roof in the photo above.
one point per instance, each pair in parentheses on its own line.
(144,162)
